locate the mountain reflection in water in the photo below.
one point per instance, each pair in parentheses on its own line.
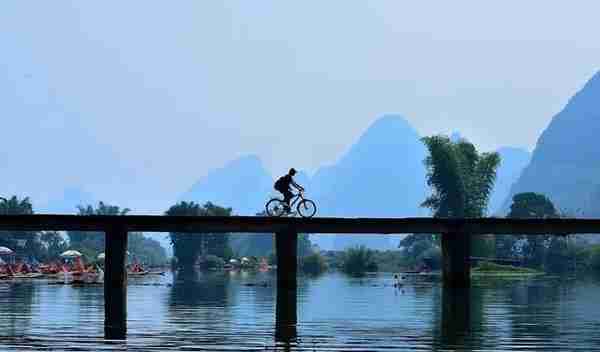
(236,311)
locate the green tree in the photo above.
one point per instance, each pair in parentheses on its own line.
(414,246)
(533,205)
(358,260)
(462,181)
(188,246)
(313,264)
(92,243)
(24,243)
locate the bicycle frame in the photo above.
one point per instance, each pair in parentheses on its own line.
(298,196)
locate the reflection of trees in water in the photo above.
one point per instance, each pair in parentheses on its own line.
(460,320)
(15,309)
(198,306)
(452,319)
(535,309)
(530,309)
(195,288)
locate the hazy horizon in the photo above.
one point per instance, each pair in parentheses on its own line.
(113,97)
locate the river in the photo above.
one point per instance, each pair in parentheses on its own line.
(235,311)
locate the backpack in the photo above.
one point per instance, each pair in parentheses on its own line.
(279,184)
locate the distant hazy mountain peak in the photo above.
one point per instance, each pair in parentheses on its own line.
(245,160)
(389,133)
(388,125)
(242,184)
(565,165)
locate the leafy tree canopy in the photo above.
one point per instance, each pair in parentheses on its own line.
(461,180)
(532,205)
(187,247)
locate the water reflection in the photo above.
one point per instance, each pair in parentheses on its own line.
(242,310)
(456,317)
(198,288)
(286,317)
(199,307)
(533,302)
(16,300)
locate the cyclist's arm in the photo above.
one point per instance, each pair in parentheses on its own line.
(297,186)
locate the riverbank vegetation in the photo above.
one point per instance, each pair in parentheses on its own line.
(313,264)
(188,247)
(487,268)
(47,246)
(359,260)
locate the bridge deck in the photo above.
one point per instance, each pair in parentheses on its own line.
(255,224)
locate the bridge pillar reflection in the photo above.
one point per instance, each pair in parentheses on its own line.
(286,316)
(456,268)
(456,316)
(115,284)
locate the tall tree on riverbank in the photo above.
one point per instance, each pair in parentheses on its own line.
(187,247)
(461,180)
(535,205)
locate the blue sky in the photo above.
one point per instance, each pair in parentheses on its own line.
(134,101)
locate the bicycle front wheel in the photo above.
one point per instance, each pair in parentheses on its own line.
(307,208)
(275,207)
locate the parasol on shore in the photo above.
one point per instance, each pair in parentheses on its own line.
(5,251)
(71,253)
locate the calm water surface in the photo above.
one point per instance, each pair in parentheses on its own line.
(236,311)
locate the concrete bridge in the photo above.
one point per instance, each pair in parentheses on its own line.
(455,250)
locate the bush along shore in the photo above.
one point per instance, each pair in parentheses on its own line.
(491,269)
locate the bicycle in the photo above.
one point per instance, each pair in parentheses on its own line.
(305,207)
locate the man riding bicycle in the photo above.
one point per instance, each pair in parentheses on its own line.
(283,185)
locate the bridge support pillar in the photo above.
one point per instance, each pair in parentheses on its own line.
(456,269)
(286,315)
(115,284)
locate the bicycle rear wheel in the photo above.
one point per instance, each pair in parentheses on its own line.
(275,207)
(307,208)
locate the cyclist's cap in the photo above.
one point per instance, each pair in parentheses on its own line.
(292,171)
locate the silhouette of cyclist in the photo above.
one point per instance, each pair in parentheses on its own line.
(284,186)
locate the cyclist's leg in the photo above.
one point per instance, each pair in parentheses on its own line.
(287,197)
